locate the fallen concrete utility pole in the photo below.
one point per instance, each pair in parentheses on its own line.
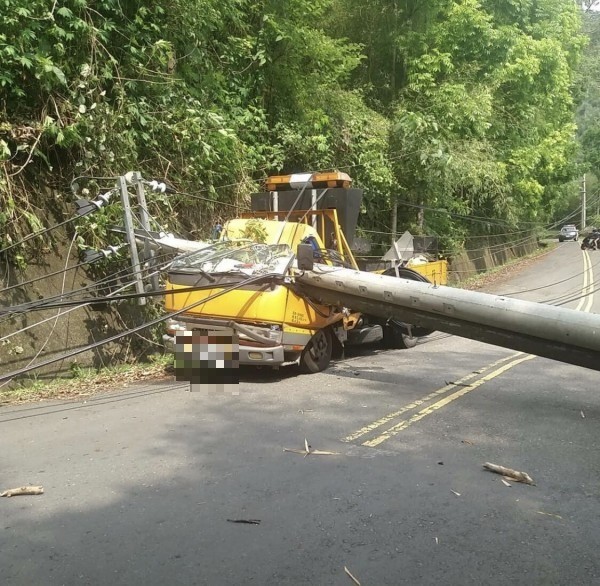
(561,334)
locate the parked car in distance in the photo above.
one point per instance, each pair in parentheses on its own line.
(568,232)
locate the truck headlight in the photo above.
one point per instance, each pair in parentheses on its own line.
(173,326)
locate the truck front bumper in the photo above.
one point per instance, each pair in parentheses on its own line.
(271,356)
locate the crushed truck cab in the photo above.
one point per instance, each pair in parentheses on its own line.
(273,322)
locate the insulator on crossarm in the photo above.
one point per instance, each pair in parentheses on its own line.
(104,198)
(92,256)
(85,206)
(159,187)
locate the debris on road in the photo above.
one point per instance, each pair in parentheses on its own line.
(550,514)
(23,490)
(351,576)
(308,451)
(582,415)
(506,483)
(454,492)
(246,521)
(510,473)
(455,384)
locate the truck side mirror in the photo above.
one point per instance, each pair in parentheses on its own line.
(304,255)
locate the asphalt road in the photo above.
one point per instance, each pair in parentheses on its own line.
(140,483)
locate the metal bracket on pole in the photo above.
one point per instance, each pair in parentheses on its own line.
(149,253)
(130,237)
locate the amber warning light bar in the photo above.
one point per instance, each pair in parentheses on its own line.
(308,181)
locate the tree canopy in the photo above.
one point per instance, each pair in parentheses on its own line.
(461,108)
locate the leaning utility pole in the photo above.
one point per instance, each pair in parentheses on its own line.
(130,238)
(558,333)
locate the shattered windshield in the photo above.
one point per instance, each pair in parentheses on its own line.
(238,256)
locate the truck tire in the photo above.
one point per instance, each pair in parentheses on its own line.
(317,354)
(397,337)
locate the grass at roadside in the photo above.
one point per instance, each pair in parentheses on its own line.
(87,381)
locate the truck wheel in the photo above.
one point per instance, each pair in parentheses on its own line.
(397,337)
(317,354)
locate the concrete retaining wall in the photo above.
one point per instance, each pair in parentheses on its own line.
(489,253)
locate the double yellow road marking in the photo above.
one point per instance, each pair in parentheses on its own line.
(587,299)
(504,364)
(392,431)
(465,388)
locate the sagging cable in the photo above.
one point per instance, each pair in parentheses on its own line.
(97,300)
(43,304)
(43,321)
(40,233)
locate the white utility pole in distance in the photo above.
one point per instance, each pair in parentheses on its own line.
(583,204)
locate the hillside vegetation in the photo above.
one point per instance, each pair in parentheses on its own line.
(460,111)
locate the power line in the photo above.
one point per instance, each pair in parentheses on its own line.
(554,283)
(65,270)
(43,321)
(104,282)
(58,314)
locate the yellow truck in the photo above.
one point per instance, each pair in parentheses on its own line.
(245,281)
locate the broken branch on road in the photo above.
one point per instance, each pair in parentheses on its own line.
(246,521)
(23,490)
(308,451)
(510,473)
(550,514)
(351,576)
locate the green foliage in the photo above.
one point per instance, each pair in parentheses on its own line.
(479,95)
(458,105)
(588,113)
